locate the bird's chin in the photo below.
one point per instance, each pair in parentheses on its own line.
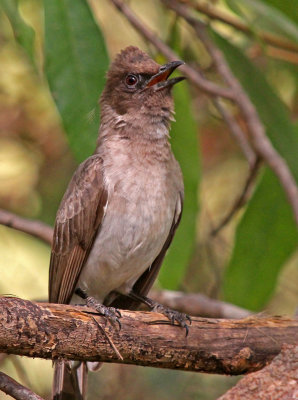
(167,84)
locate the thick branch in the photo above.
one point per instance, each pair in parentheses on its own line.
(275,382)
(216,346)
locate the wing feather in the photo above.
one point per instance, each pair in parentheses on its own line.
(78,219)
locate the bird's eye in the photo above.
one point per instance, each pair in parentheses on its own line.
(131,80)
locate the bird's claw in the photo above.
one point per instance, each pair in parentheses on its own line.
(174,316)
(113,314)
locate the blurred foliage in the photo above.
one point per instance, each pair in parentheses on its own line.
(75,63)
(272,239)
(251,262)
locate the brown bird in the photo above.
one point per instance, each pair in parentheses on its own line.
(123,204)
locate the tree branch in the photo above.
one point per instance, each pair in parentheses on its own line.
(256,129)
(56,331)
(199,305)
(15,389)
(237,133)
(234,92)
(215,14)
(32,227)
(275,382)
(193,75)
(241,200)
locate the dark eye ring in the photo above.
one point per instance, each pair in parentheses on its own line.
(131,80)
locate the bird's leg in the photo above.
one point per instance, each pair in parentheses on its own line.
(172,315)
(110,312)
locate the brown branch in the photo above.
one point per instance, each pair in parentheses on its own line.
(32,227)
(242,199)
(215,14)
(15,389)
(275,382)
(193,75)
(256,129)
(55,331)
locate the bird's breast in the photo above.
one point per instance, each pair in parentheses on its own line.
(142,197)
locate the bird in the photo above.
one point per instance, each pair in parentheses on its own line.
(122,206)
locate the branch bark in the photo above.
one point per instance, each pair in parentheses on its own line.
(275,382)
(56,331)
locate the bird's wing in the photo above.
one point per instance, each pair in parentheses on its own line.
(146,280)
(78,219)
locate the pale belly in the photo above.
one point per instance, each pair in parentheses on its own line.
(127,243)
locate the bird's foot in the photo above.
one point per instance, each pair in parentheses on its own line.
(110,312)
(174,316)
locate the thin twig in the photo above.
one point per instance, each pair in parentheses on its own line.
(237,133)
(242,199)
(35,228)
(215,14)
(15,389)
(256,129)
(193,75)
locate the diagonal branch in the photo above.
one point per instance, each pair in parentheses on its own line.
(256,129)
(32,227)
(15,389)
(193,75)
(54,331)
(215,14)
(242,199)
(237,133)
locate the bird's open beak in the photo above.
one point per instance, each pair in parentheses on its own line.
(160,80)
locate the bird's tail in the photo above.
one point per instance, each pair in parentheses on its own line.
(70,380)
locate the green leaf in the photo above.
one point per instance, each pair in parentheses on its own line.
(76,62)
(266,235)
(185,146)
(23,33)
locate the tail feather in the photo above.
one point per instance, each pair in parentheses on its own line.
(70,380)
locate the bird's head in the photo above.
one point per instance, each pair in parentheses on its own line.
(137,85)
